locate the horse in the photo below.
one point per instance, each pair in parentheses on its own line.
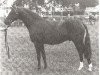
(92,19)
(43,32)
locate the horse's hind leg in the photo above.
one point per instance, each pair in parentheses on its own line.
(87,55)
(80,50)
(90,64)
(87,52)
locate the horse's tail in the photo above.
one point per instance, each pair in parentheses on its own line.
(87,44)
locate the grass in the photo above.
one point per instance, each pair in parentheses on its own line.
(62,59)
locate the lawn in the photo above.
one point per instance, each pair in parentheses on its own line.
(62,59)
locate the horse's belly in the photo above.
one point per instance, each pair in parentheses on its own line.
(55,40)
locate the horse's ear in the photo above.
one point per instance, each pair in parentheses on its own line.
(15,8)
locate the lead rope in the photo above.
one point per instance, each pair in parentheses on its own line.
(6,43)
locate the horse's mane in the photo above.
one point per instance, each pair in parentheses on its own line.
(29,12)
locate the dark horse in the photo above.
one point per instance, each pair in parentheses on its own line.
(92,19)
(43,32)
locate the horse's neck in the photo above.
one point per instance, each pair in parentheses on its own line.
(26,18)
(27,15)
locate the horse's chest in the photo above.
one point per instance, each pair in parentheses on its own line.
(37,37)
(36,34)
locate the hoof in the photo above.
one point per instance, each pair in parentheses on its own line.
(90,67)
(81,66)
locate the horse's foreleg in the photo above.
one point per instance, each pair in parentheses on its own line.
(38,49)
(44,57)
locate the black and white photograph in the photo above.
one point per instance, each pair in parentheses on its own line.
(49,37)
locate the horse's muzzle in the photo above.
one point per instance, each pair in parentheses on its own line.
(8,23)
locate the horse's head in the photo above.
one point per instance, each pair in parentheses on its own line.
(12,16)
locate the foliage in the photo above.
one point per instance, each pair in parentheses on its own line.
(40,4)
(83,3)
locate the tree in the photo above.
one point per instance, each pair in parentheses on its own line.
(83,3)
(18,2)
(88,3)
